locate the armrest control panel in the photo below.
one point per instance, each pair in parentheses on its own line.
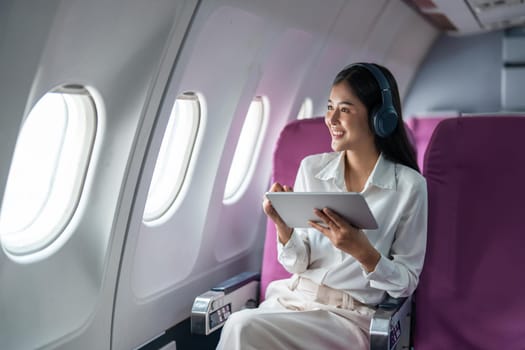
(390,324)
(211,309)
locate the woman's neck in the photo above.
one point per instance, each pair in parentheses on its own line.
(358,167)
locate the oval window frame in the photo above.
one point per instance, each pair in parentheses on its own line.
(170,146)
(24,244)
(246,151)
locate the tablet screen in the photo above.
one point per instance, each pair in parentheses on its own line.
(297,208)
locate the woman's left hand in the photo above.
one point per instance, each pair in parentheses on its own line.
(347,238)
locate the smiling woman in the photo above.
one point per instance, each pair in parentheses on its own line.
(340,272)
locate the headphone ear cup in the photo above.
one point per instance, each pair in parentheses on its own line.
(384,121)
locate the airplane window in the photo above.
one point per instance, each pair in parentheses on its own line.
(306,110)
(48,170)
(247,149)
(174,156)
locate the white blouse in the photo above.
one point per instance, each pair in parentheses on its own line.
(397,196)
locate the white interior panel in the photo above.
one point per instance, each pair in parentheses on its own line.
(411,41)
(228,26)
(292,47)
(382,36)
(514,46)
(460,14)
(512,85)
(159,259)
(343,46)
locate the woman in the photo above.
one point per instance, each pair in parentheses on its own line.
(340,272)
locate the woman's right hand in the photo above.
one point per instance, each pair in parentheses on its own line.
(283,231)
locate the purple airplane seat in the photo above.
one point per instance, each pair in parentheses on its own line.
(471,290)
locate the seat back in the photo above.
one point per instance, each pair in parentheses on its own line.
(471,290)
(297,140)
(421,130)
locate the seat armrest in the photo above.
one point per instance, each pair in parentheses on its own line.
(390,324)
(211,309)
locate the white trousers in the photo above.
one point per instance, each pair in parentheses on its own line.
(299,314)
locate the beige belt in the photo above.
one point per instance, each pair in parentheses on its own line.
(324,294)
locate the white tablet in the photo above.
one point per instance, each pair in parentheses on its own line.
(297,208)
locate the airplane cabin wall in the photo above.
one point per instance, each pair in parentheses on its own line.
(461,74)
(114,49)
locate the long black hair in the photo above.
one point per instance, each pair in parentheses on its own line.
(396,147)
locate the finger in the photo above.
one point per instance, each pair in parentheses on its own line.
(287,188)
(329,225)
(266,204)
(268,208)
(324,230)
(276,187)
(270,211)
(272,214)
(322,216)
(333,217)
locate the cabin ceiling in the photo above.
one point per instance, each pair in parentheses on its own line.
(460,17)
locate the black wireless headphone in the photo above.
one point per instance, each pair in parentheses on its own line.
(384,117)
